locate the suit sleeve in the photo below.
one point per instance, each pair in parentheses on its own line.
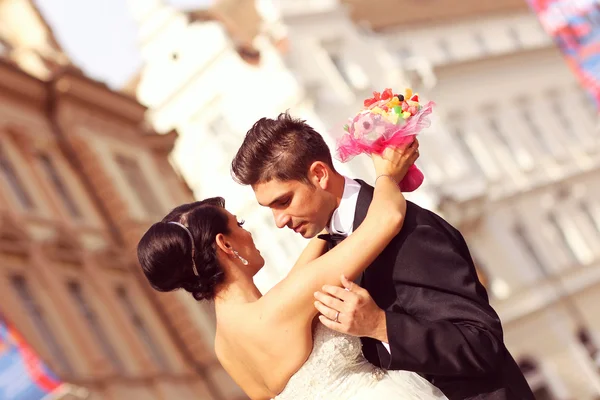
(446,326)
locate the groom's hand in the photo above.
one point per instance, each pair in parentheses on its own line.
(351,310)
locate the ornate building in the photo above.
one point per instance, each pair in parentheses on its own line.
(81,178)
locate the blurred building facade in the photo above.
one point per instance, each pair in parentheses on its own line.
(511,159)
(81,178)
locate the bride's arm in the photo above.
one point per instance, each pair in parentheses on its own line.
(315,249)
(293,297)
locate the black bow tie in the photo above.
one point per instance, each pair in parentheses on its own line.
(332,238)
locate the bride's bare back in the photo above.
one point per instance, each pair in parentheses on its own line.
(261,354)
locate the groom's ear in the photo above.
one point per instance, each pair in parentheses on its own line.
(224,244)
(319,174)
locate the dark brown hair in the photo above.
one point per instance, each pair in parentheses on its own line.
(165,250)
(282,149)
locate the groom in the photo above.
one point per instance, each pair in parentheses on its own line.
(423,310)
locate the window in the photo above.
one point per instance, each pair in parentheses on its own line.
(141,328)
(478,151)
(444,47)
(59,186)
(462,143)
(140,185)
(352,74)
(341,67)
(536,380)
(588,104)
(11,177)
(496,288)
(94,324)
(481,43)
(225,136)
(404,53)
(573,240)
(513,146)
(588,341)
(499,135)
(515,36)
(592,219)
(558,111)
(39,321)
(495,128)
(562,234)
(535,130)
(529,248)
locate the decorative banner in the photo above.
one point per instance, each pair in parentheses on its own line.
(575,27)
(23,376)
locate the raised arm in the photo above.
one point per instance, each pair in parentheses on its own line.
(293,297)
(315,249)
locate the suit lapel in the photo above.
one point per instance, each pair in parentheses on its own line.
(365,196)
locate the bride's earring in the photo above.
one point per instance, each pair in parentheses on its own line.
(242,259)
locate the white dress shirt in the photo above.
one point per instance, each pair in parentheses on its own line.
(342,220)
(343,216)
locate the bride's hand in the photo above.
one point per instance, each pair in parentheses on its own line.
(395,161)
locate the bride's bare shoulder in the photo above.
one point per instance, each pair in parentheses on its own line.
(236,317)
(275,302)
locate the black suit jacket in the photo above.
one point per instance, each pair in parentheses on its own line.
(439,320)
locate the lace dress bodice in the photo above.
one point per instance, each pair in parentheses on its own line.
(335,365)
(336,369)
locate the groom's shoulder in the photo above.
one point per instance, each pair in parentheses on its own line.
(417,216)
(420,211)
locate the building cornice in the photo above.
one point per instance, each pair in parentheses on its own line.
(492,59)
(548,293)
(18,83)
(113,257)
(73,85)
(65,247)
(463,212)
(390,14)
(161,144)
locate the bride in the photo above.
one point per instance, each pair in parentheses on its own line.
(272,345)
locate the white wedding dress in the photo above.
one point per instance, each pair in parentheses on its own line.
(336,369)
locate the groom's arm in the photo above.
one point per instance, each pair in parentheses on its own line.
(446,328)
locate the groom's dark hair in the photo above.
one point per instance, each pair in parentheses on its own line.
(282,149)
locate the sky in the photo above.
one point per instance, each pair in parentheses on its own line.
(100,36)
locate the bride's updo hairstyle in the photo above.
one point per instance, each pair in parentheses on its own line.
(171,261)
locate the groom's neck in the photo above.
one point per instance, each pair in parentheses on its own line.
(336,187)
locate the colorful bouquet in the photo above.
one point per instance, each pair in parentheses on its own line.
(386,120)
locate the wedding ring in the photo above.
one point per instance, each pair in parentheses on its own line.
(336,317)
